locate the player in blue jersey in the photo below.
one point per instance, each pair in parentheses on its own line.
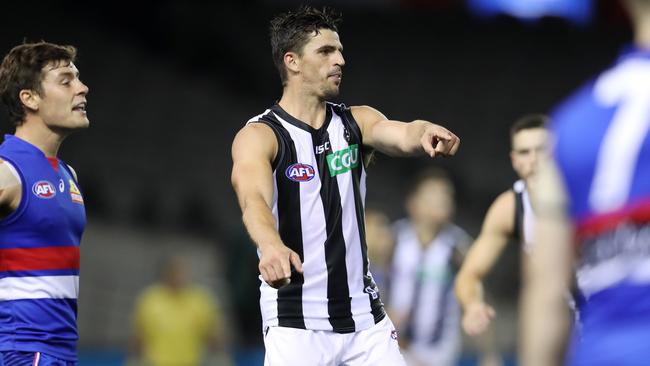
(42,214)
(593,211)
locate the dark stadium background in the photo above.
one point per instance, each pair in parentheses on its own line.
(172,81)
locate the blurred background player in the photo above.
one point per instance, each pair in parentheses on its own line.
(41,207)
(176,322)
(509,217)
(428,252)
(299,174)
(593,209)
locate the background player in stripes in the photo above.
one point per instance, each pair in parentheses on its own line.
(509,217)
(428,252)
(299,175)
(593,215)
(41,206)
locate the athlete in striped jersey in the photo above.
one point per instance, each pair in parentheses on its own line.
(428,252)
(299,174)
(593,215)
(42,214)
(509,217)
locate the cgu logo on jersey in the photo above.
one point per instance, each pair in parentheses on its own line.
(344,160)
(44,189)
(300,172)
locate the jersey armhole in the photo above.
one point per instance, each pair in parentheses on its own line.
(23,193)
(366,153)
(280,153)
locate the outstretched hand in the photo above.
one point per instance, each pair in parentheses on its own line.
(477,318)
(275,265)
(438,141)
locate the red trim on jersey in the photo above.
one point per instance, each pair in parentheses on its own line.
(638,212)
(33,259)
(55,163)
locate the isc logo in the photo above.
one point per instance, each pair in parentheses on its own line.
(44,189)
(300,172)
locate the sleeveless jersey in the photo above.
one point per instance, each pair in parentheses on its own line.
(602,150)
(422,286)
(39,256)
(524,216)
(318,204)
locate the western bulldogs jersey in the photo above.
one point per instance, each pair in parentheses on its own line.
(524,216)
(602,150)
(422,287)
(318,204)
(39,255)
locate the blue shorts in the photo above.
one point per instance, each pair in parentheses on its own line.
(19,358)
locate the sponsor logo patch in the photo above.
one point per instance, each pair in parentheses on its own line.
(44,189)
(393,334)
(343,161)
(372,292)
(300,172)
(75,194)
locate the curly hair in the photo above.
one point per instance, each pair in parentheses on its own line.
(22,68)
(291,31)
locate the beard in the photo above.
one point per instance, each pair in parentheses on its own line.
(330,93)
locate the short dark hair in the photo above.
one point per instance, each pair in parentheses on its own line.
(429,174)
(527,122)
(22,68)
(290,31)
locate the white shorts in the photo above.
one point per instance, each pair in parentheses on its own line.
(376,346)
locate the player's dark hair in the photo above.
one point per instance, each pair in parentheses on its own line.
(291,31)
(22,68)
(527,122)
(429,174)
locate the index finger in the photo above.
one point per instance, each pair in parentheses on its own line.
(456,145)
(286,268)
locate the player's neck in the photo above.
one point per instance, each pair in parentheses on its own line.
(426,231)
(303,106)
(642,33)
(40,136)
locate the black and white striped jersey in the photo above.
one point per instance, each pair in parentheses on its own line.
(318,203)
(524,216)
(422,285)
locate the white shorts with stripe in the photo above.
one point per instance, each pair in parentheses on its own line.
(376,346)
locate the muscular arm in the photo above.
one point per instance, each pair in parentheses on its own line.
(397,138)
(10,190)
(497,229)
(547,276)
(253,150)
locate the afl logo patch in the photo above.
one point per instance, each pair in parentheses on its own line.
(300,172)
(44,189)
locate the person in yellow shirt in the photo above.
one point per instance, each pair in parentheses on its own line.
(175,322)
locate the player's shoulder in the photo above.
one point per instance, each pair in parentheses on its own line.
(501,212)
(365,112)
(578,98)
(8,175)
(255,132)
(457,232)
(256,138)
(505,200)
